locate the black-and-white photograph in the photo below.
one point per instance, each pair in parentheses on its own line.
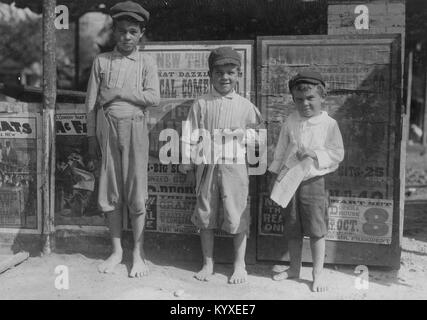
(208,151)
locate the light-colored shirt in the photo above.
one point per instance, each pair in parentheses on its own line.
(135,75)
(320,134)
(215,111)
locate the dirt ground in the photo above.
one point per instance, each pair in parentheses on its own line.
(35,278)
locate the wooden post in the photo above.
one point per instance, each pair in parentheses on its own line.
(409,92)
(406,119)
(425,113)
(49,100)
(77,53)
(13,261)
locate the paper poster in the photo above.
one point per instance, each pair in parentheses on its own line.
(19,198)
(360,220)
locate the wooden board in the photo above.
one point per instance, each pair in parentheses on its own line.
(385,16)
(363,77)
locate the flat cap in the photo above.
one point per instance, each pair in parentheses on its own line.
(307,76)
(131,9)
(222,56)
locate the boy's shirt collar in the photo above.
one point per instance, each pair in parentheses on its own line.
(231,95)
(132,56)
(313,120)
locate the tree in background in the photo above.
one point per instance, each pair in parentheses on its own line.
(21,42)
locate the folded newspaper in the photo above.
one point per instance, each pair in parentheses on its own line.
(288,181)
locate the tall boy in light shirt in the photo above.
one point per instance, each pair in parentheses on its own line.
(123,83)
(308,133)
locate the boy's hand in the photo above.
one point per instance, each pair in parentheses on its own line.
(237,132)
(108,95)
(303,153)
(240,133)
(91,165)
(93,148)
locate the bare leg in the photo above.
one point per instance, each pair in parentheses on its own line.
(295,254)
(239,275)
(318,254)
(207,241)
(139,265)
(115,225)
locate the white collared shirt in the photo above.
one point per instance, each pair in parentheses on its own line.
(320,134)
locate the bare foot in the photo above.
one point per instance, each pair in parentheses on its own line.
(319,284)
(108,265)
(287,274)
(279,268)
(139,266)
(206,272)
(239,275)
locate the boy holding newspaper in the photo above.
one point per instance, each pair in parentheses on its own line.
(309,147)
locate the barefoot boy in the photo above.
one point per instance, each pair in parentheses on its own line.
(308,133)
(228,183)
(123,83)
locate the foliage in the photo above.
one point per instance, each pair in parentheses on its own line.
(21,42)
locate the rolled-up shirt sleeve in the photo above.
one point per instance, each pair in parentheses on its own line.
(149,94)
(92,96)
(333,152)
(280,150)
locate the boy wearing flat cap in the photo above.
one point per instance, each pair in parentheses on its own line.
(222,182)
(123,83)
(307,134)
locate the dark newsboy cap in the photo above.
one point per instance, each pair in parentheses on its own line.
(222,56)
(308,76)
(131,9)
